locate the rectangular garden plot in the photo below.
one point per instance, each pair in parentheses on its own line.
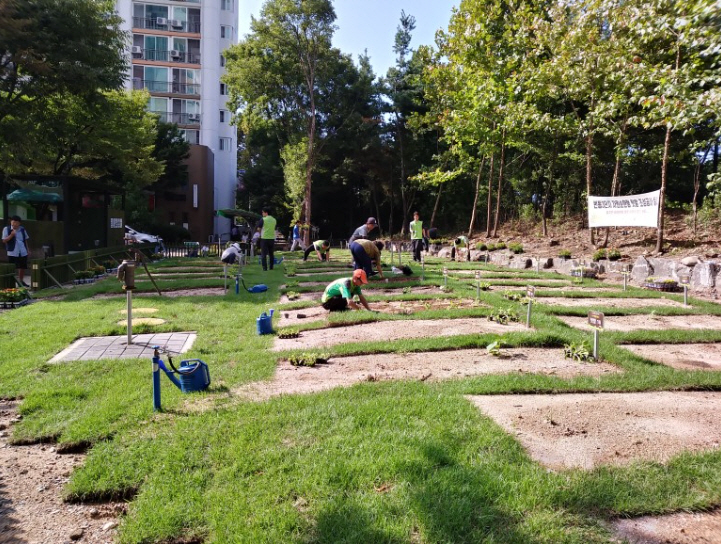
(626,323)
(608,302)
(588,430)
(681,356)
(347,371)
(421,289)
(393,330)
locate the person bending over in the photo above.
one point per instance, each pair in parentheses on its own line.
(365,255)
(338,296)
(322,249)
(460,243)
(232,254)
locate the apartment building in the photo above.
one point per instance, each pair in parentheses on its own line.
(177,56)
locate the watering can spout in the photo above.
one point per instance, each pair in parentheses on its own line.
(168,373)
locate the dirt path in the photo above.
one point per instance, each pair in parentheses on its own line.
(394,330)
(31,482)
(588,430)
(682,528)
(435,366)
(681,356)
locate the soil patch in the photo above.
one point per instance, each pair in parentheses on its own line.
(681,356)
(31,508)
(624,323)
(588,430)
(420,289)
(199,292)
(608,302)
(143,321)
(397,307)
(393,330)
(682,528)
(433,366)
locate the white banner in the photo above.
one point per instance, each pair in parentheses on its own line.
(624,211)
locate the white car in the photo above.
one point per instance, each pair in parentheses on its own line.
(134,235)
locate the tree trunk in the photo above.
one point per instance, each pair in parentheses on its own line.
(697,187)
(547,192)
(589,177)
(490,197)
(662,194)
(475,198)
(500,183)
(435,206)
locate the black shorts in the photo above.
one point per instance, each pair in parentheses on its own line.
(21,263)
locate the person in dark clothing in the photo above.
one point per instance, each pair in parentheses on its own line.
(369,231)
(365,255)
(266,227)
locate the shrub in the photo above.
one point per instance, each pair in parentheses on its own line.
(614,254)
(98,270)
(13,295)
(565,253)
(481,246)
(84,274)
(515,247)
(600,254)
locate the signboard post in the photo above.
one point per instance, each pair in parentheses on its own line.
(478,285)
(685,281)
(530,294)
(445,277)
(595,319)
(538,264)
(423,267)
(626,272)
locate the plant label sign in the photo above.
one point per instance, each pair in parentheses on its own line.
(595,319)
(684,279)
(478,275)
(626,270)
(445,271)
(531,291)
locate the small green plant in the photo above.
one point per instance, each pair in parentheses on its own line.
(288,333)
(291,284)
(407,290)
(516,247)
(108,265)
(84,274)
(98,270)
(565,253)
(290,270)
(308,359)
(578,352)
(613,255)
(481,246)
(446,288)
(501,245)
(510,295)
(496,348)
(292,295)
(484,285)
(503,316)
(600,254)
(13,295)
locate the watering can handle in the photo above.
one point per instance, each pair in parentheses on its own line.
(187,372)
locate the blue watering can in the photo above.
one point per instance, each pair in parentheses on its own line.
(264,323)
(193,375)
(276,260)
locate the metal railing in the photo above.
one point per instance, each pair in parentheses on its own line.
(187,57)
(179,118)
(172,25)
(166,86)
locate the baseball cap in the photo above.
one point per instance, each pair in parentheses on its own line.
(360,275)
(371,221)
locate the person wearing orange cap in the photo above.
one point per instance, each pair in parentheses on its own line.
(338,296)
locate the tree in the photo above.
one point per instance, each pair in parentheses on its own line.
(172,150)
(276,71)
(57,46)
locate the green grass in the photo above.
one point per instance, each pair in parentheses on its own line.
(396,462)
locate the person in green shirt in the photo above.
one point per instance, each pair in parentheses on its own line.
(266,227)
(338,296)
(418,232)
(321,247)
(460,243)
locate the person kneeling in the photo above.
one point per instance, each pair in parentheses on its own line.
(338,296)
(322,249)
(231,254)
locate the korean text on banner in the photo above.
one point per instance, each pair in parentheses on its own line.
(624,211)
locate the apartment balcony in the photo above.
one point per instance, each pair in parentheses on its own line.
(187,57)
(170,25)
(166,87)
(192,119)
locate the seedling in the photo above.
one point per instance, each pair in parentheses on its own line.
(503,316)
(288,333)
(292,295)
(496,348)
(308,359)
(578,352)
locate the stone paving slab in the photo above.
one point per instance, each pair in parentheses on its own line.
(116,347)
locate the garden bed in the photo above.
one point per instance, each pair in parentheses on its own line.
(423,366)
(681,356)
(590,430)
(624,323)
(608,302)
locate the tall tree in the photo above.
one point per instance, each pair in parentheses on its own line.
(276,71)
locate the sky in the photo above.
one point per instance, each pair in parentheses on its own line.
(372,25)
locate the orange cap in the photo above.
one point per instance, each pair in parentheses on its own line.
(360,275)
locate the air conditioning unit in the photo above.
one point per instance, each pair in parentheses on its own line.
(174,53)
(193,117)
(176,24)
(161,21)
(136,50)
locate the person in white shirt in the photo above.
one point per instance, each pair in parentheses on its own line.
(15,238)
(231,254)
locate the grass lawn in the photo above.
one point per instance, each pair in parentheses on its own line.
(388,462)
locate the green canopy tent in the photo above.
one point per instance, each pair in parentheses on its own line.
(232,213)
(34,197)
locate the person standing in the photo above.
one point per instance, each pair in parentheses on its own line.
(418,232)
(15,238)
(297,240)
(266,227)
(460,243)
(322,248)
(366,254)
(368,231)
(338,296)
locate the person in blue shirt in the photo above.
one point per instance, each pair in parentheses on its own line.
(297,240)
(15,238)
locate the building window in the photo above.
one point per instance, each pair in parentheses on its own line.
(224,144)
(223,89)
(226,31)
(222,116)
(191,136)
(222,60)
(226,5)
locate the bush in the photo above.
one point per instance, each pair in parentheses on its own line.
(98,270)
(613,255)
(481,246)
(515,247)
(600,254)
(565,253)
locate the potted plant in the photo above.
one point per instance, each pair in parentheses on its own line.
(660,284)
(13,298)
